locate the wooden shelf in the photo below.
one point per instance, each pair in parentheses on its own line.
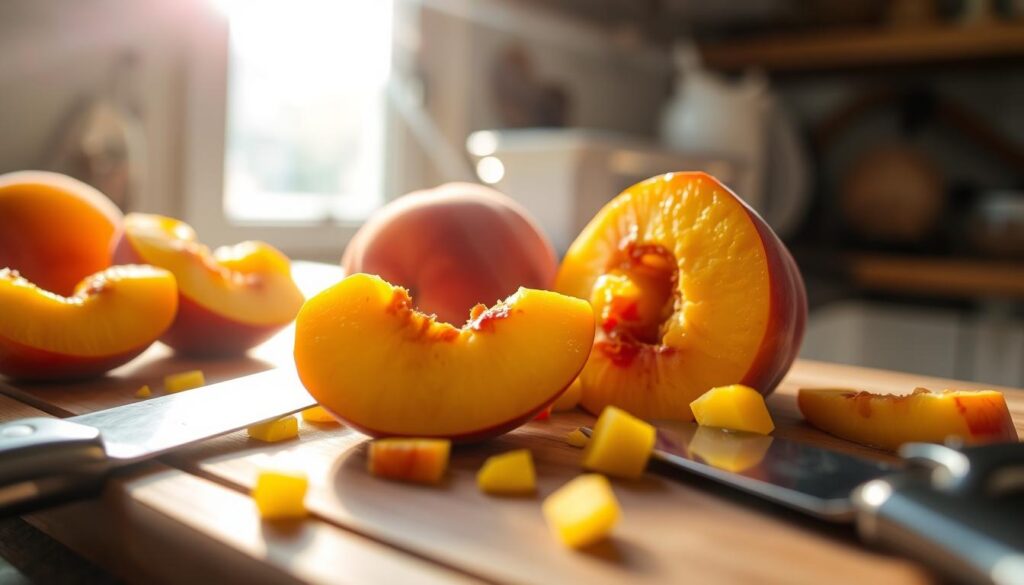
(939,277)
(865,48)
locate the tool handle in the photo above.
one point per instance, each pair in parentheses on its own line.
(961,515)
(44,461)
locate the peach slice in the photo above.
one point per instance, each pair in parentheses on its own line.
(508,474)
(413,460)
(735,407)
(691,290)
(377,364)
(54,230)
(887,421)
(232,298)
(582,511)
(453,247)
(112,316)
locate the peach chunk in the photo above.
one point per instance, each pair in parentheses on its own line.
(318,415)
(412,460)
(372,360)
(691,289)
(231,298)
(280,494)
(55,230)
(143,392)
(112,317)
(508,474)
(729,450)
(576,438)
(620,445)
(182,381)
(736,407)
(582,511)
(274,431)
(453,247)
(887,421)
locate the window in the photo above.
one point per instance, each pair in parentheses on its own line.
(305,109)
(288,126)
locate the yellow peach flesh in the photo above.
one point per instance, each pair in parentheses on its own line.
(280,494)
(736,407)
(582,511)
(620,445)
(510,473)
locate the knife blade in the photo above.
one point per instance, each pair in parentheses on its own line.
(961,510)
(46,460)
(804,477)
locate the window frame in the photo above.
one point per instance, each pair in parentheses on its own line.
(203,154)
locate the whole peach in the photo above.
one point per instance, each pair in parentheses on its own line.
(55,230)
(453,247)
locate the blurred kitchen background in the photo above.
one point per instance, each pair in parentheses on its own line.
(884,141)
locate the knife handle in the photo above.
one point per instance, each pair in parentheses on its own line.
(971,535)
(44,461)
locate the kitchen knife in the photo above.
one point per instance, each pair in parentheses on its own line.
(959,510)
(47,460)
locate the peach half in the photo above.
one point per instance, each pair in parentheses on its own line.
(368,357)
(54,230)
(112,316)
(887,421)
(231,298)
(691,290)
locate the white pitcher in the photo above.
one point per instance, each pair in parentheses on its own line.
(741,121)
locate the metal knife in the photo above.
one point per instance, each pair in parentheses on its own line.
(961,510)
(44,461)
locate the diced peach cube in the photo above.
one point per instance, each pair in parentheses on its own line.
(184,381)
(736,407)
(510,473)
(620,445)
(412,460)
(582,511)
(280,494)
(319,415)
(273,431)
(576,438)
(143,392)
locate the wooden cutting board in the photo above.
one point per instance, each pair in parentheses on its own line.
(188,516)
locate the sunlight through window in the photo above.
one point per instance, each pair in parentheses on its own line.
(306,107)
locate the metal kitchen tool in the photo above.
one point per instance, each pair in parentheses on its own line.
(959,510)
(47,460)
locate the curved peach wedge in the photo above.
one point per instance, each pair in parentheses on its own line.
(691,290)
(887,421)
(367,356)
(112,316)
(54,230)
(231,298)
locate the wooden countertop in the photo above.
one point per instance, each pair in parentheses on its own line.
(187,516)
